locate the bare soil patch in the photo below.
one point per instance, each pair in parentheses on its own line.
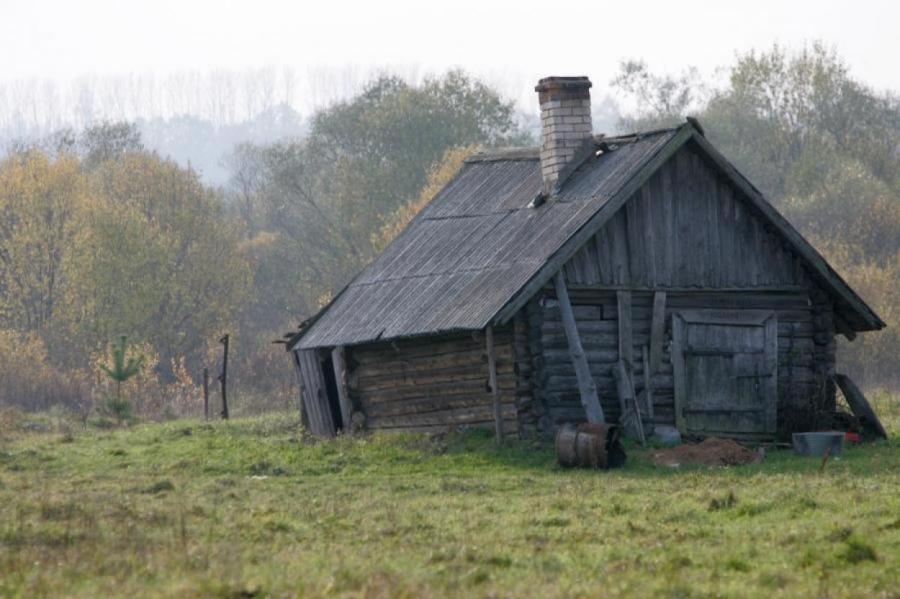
(710,452)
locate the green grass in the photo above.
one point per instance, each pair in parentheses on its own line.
(251,507)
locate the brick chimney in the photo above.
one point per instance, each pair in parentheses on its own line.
(566,129)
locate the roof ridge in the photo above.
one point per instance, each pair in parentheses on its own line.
(512,153)
(509,153)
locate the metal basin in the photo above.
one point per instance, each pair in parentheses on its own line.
(815,444)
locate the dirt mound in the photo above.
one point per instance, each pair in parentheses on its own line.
(711,452)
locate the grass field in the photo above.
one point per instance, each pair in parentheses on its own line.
(252,508)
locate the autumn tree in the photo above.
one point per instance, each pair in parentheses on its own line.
(155,256)
(40,202)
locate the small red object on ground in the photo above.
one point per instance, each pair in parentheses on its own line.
(852,437)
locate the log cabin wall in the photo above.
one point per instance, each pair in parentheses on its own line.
(688,232)
(438,383)
(805,352)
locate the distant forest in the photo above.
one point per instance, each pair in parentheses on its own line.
(108,228)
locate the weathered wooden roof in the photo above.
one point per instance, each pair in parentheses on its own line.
(479,250)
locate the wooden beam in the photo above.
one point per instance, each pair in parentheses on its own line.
(587,389)
(492,377)
(657,330)
(339,363)
(648,381)
(626,340)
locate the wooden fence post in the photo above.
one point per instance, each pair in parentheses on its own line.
(206,393)
(223,378)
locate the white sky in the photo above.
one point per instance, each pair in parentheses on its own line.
(511,43)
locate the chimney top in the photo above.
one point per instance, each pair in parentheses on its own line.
(558,88)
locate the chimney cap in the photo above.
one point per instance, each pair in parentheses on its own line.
(568,84)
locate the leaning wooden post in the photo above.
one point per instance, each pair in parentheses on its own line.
(630,419)
(587,389)
(223,378)
(206,393)
(648,382)
(340,376)
(495,387)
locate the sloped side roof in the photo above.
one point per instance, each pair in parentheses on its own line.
(478,251)
(474,246)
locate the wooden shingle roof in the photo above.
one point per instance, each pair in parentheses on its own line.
(479,250)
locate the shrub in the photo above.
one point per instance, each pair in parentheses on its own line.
(28,380)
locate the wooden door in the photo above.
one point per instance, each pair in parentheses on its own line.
(726,380)
(313,392)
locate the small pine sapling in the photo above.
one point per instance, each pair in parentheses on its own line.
(123,368)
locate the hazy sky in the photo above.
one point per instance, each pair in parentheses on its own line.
(511,43)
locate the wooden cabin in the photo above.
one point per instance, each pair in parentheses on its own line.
(543,285)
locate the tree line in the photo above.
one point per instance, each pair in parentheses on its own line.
(100,236)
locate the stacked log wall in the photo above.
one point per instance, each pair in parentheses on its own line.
(435,384)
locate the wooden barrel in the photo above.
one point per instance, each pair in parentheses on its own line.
(589,446)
